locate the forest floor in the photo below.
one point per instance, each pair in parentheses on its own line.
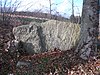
(55,62)
(59,62)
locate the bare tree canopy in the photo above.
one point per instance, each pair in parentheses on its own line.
(8,7)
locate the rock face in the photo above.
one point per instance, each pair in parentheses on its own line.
(29,35)
(41,37)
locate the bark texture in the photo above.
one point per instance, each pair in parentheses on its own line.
(89,29)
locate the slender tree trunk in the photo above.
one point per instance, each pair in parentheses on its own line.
(50,8)
(89,29)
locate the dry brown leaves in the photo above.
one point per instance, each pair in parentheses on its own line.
(59,62)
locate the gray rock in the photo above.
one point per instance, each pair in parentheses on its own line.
(62,35)
(41,37)
(29,35)
(24,63)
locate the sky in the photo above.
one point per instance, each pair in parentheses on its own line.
(62,7)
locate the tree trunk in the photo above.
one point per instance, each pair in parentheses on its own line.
(50,8)
(89,29)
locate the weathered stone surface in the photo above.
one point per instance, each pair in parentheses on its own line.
(41,37)
(62,35)
(24,64)
(29,35)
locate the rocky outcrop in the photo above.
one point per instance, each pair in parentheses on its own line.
(29,35)
(41,37)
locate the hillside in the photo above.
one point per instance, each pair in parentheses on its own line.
(42,15)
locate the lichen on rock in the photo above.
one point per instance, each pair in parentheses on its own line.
(48,35)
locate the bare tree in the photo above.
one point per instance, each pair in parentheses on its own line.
(50,6)
(89,29)
(50,9)
(8,7)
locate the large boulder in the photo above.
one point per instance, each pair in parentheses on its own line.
(62,35)
(41,37)
(29,35)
